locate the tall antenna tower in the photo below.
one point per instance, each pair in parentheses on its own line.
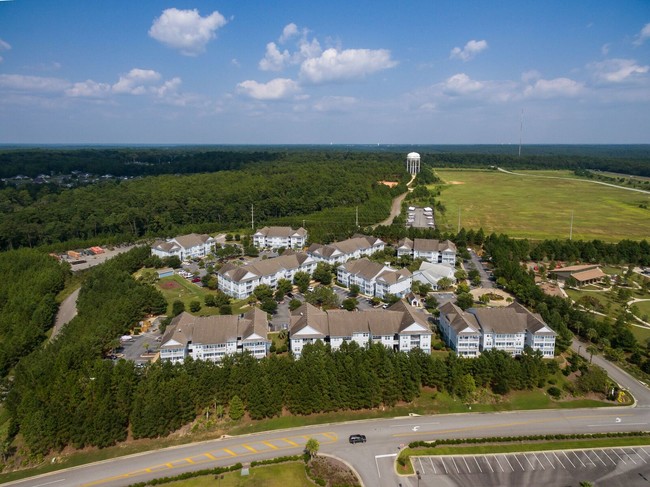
(521,129)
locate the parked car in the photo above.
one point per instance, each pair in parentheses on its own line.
(357,439)
(196,279)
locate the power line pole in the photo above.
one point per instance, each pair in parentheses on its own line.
(571,227)
(252,219)
(357,217)
(521,129)
(458,219)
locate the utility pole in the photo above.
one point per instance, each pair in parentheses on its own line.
(458,220)
(521,129)
(357,217)
(252,219)
(571,227)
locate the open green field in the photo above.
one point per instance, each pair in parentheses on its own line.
(176,287)
(280,475)
(538,207)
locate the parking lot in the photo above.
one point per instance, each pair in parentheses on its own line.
(631,465)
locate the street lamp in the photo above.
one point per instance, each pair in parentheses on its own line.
(419,477)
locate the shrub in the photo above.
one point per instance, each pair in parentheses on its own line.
(554,392)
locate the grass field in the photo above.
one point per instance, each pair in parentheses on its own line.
(281,475)
(176,287)
(540,208)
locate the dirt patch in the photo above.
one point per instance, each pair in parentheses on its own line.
(390,184)
(456,182)
(169,285)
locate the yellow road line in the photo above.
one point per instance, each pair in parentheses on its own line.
(169,465)
(331,436)
(270,445)
(210,456)
(249,448)
(189,460)
(230,452)
(292,443)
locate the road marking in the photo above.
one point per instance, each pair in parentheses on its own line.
(292,443)
(270,445)
(619,457)
(550,462)
(637,454)
(479,467)
(558,459)
(610,458)
(522,467)
(628,456)
(230,452)
(331,436)
(382,456)
(569,459)
(488,463)
(506,457)
(420,462)
(586,454)
(531,465)
(613,424)
(443,464)
(540,463)
(468,469)
(210,456)
(432,465)
(452,459)
(598,457)
(575,455)
(48,483)
(189,460)
(415,428)
(169,465)
(249,448)
(499,464)
(643,450)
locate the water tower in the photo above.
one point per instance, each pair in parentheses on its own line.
(413,163)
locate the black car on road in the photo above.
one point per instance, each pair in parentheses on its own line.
(357,439)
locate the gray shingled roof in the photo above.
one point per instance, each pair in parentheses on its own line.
(288,261)
(282,232)
(459,320)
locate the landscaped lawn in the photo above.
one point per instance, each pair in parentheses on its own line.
(280,475)
(641,334)
(644,307)
(603,297)
(540,208)
(178,288)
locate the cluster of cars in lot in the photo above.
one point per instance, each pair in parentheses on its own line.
(189,276)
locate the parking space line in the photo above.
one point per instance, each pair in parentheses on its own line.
(421,467)
(506,457)
(485,458)
(531,465)
(587,456)
(619,457)
(637,454)
(569,459)
(443,464)
(598,457)
(432,465)
(540,463)
(497,459)
(522,467)
(452,459)
(558,459)
(468,469)
(643,450)
(610,458)
(479,467)
(574,454)
(628,456)
(550,462)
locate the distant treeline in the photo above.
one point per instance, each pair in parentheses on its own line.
(125,162)
(171,205)
(637,166)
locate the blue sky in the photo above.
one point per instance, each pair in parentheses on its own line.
(425,72)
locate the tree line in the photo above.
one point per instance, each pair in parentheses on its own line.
(169,205)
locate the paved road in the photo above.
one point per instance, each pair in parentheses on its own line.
(67,311)
(478,265)
(374,460)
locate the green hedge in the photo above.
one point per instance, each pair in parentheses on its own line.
(189,475)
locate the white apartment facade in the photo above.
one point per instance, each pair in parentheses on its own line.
(400,327)
(340,252)
(214,337)
(280,237)
(436,251)
(374,279)
(239,282)
(184,247)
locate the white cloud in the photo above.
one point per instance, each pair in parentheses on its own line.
(643,35)
(335,65)
(553,88)
(530,75)
(288,32)
(4,46)
(18,82)
(471,49)
(136,81)
(461,84)
(186,30)
(605,49)
(89,89)
(276,89)
(617,70)
(274,60)
(335,104)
